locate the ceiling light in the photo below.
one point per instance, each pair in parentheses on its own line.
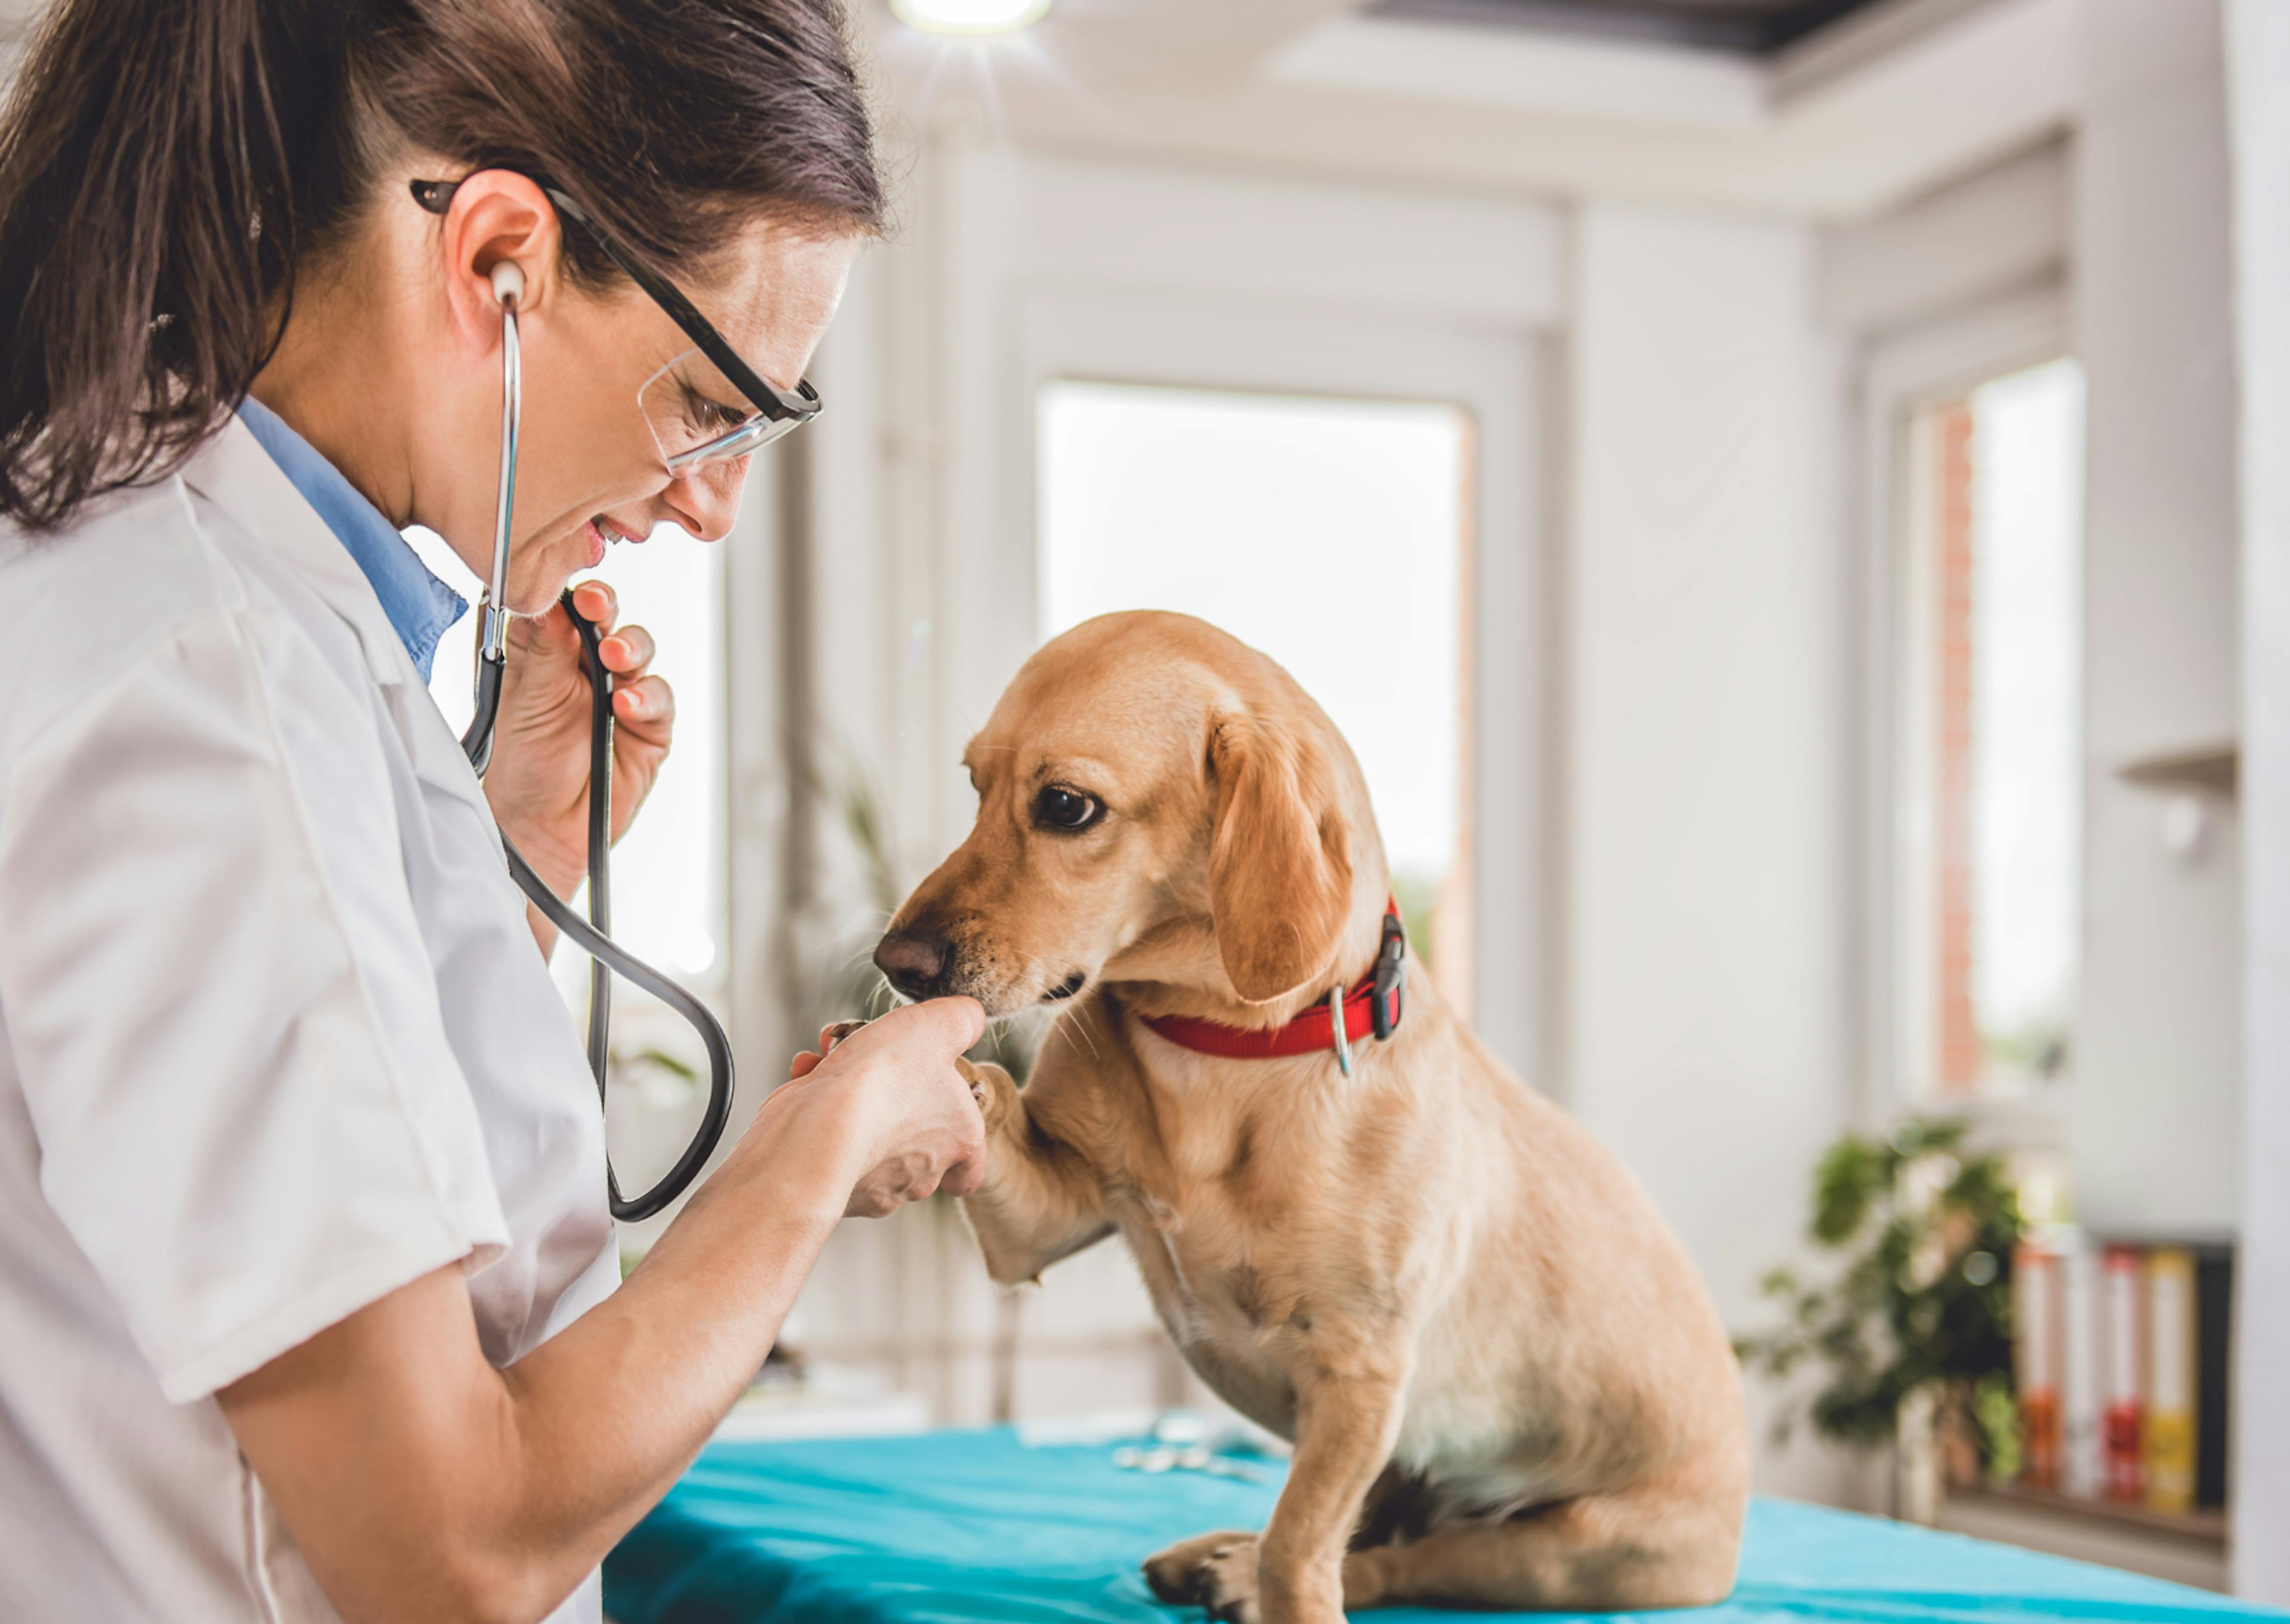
(969,16)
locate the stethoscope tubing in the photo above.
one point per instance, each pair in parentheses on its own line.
(591,934)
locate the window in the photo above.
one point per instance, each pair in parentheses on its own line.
(1328,533)
(668,887)
(1990,812)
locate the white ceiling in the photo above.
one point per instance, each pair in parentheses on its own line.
(1896,99)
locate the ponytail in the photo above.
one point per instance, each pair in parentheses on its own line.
(167,165)
(148,236)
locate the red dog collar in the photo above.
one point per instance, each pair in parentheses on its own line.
(1372,1007)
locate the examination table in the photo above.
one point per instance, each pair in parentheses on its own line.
(965,1527)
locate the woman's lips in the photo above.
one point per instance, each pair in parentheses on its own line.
(600,531)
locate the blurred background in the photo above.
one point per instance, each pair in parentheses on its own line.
(1757,482)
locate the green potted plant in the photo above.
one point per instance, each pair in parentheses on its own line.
(1913,1311)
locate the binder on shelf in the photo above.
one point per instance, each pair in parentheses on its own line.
(2167,1436)
(2122,1368)
(2036,1358)
(2083,1466)
(2214,1349)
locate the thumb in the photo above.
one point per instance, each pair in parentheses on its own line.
(548,632)
(948,1024)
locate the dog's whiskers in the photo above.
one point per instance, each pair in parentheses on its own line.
(1067,1017)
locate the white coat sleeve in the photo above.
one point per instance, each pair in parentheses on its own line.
(220,1001)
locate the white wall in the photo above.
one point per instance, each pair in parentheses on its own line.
(1706,970)
(2155,1118)
(1988,235)
(2260,59)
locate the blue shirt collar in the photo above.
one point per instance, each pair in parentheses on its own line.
(420,606)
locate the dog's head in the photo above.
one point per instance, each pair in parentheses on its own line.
(1156,802)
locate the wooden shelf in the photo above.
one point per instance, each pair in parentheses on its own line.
(2204,1527)
(2204,1242)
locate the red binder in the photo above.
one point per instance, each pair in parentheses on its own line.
(2036,1359)
(2123,1367)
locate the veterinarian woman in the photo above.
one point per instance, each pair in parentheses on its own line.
(306,1279)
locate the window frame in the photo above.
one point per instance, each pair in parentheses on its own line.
(1899,374)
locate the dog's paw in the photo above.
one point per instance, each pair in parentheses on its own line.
(1231,1582)
(992,1088)
(1216,1570)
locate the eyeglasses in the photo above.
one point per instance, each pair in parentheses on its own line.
(688,426)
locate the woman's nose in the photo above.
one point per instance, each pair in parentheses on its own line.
(706,498)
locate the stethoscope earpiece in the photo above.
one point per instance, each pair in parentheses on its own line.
(509,282)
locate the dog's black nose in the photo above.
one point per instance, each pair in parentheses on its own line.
(915,964)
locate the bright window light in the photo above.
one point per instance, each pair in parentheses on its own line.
(669,906)
(1327,533)
(1990,818)
(969,16)
(2027,757)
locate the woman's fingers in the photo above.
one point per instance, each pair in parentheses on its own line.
(627,651)
(965,1176)
(648,703)
(599,604)
(930,1135)
(910,1175)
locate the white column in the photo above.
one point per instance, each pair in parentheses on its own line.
(2156,1103)
(1707,980)
(2258,59)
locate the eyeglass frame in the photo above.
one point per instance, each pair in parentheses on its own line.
(775,404)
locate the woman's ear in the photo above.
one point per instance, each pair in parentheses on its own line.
(1280,874)
(498,218)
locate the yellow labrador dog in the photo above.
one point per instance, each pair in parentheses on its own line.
(1505,1383)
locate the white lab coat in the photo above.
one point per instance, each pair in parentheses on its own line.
(274,1037)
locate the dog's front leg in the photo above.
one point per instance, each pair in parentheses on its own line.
(1347,1414)
(1039,1201)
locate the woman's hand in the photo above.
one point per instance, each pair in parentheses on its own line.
(538,783)
(892,1087)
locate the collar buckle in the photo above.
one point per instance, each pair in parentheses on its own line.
(1390,977)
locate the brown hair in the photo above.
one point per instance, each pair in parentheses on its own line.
(167,165)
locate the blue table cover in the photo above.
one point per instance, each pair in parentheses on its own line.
(957,1527)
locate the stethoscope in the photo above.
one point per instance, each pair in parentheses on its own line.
(587,935)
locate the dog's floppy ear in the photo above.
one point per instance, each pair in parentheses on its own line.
(1280,876)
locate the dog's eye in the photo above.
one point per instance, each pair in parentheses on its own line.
(1058,807)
